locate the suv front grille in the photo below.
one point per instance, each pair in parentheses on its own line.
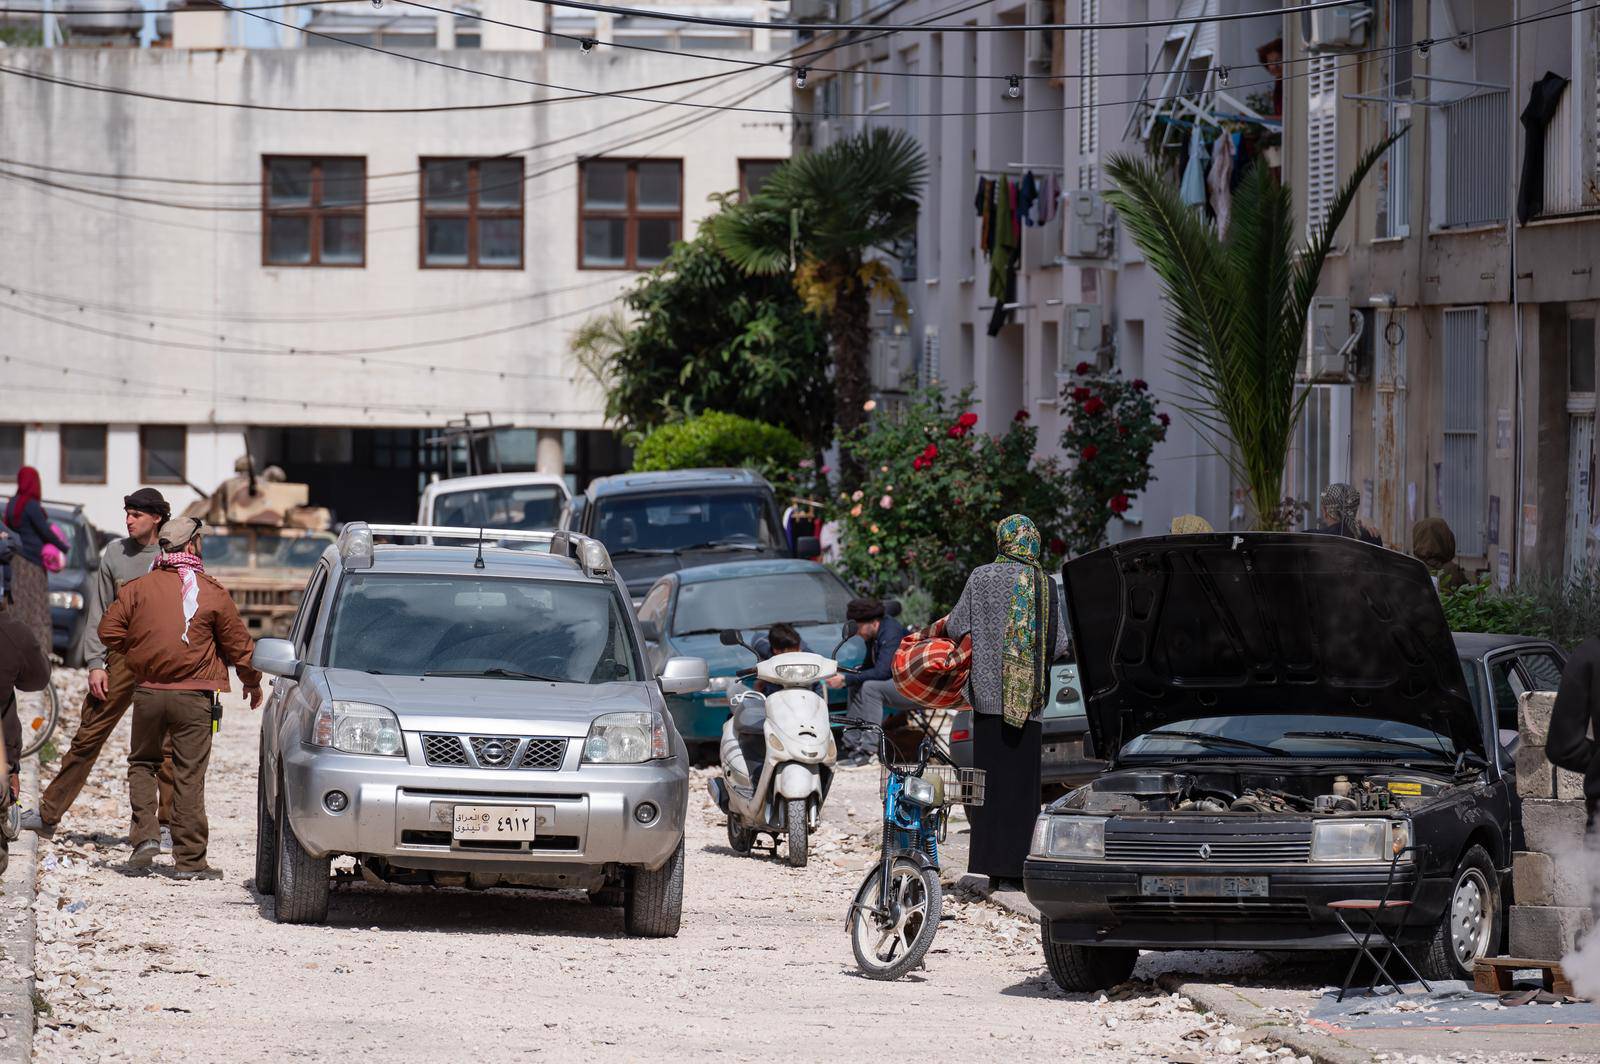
(443,751)
(493,752)
(1207,848)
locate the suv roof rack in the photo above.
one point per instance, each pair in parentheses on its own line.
(357,537)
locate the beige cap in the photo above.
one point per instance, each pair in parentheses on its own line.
(176,532)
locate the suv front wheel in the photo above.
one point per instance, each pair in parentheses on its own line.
(654,904)
(303,885)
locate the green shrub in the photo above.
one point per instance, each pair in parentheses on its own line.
(1566,612)
(716,439)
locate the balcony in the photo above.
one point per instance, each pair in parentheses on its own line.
(1477,132)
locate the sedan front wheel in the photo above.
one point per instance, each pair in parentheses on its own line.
(1470,926)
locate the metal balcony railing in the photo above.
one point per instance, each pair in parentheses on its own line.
(1477,132)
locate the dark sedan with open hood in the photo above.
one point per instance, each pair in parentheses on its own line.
(1282,714)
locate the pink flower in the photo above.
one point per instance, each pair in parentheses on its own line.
(886,502)
(855,511)
(873,550)
(874,530)
(826,470)
(807,463)
(857,496)
(870,405)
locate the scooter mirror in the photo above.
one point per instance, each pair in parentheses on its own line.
(729,637)
(848,632)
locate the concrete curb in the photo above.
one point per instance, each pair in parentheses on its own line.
(1229,1002)
(18,932)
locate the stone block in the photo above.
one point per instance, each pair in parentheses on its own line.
(1533,717)
(1538,879)
(1569,785)
(1536,777)
(1552,826)
(1548,932)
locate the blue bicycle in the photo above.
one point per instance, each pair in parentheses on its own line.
(896,910)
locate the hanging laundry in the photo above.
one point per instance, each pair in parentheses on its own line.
(984,204)
(1220,181)
(1192,189)
(1027,196)
(1003,262)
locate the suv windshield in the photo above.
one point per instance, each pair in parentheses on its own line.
(684,520)
(410,625)
(760,601)
(225,550)
(533,506)
(1291,735)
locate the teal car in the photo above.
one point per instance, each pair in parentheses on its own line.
(684,612)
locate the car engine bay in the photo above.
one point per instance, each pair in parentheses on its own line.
(1212,792)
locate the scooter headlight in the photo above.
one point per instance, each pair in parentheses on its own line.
(796,673)
(921,790)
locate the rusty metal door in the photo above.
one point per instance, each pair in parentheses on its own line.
(1389,422)
(1580,482)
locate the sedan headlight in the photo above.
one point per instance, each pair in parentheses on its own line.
(66,600)
(1366,841)
(357,728)
(1069,837)
(797,673)
(629,738)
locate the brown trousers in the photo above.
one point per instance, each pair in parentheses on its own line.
(95,726)
(184,718)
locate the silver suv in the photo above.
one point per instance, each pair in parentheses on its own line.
(471,715)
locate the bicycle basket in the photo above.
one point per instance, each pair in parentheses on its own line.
(962,786)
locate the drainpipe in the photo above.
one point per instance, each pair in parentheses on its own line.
(1521,450)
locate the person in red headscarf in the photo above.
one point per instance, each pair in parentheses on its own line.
(30,528)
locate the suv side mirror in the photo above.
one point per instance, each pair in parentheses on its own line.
(275,657)
(684,676)
(807,547)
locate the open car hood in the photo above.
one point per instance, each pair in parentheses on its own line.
(1177,627)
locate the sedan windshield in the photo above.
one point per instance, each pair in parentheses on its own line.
(531,506)
(413,625)
(747,602)
(684,521)
(1291,735)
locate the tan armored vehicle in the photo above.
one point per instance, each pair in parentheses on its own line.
(262,541)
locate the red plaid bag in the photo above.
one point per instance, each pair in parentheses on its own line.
(931,669)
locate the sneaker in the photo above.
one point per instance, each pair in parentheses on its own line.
(203,872)
(166,839)
(35,823)
(144,854)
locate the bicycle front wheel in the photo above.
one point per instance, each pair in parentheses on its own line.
(39,712)
(891,937)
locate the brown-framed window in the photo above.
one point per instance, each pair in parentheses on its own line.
(12,438)
(314,210)
(630,212)
(753,173)
(83,454)
(472,214)
(161,454)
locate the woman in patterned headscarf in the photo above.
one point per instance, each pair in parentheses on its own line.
(1341,504)
(1012,611)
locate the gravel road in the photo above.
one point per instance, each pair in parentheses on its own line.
(151,969)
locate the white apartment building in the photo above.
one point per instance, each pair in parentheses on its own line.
(333,286)
(1083,292)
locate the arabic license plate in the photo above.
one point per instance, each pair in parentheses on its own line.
(1203,886)
(495,823)
(1062,753)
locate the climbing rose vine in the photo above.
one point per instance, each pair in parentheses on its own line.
(1112,426)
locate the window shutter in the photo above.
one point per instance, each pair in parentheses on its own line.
(1322,139)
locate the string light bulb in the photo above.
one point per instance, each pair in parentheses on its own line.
(1423,45)
(1222,75)
(1013,86)
(586,45)
(800,76)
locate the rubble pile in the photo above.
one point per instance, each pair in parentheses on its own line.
(1550,887)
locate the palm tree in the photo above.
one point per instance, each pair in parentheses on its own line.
(1237,306)
(820,217)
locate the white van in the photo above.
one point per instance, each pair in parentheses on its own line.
(497,500)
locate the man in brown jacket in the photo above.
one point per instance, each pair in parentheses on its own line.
(178,631)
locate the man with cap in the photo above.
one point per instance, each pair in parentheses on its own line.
(111,682)
(872,686)
(179,631)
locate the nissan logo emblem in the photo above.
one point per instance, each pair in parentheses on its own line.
(1205,851)
(494,753)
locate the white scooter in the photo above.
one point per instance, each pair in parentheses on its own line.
(778,753)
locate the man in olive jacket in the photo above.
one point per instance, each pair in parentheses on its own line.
(1575,722)
(178,630)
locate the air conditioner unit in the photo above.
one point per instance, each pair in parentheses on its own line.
(892,369)
(1332,334)
(1041,44)
(1336,29)
(1089,225)
(812,11)
(1080,336)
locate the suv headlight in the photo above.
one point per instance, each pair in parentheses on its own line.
(797,673)
(1366,841)
(357,728)
(1069,837)
(66,600)
(629,738)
